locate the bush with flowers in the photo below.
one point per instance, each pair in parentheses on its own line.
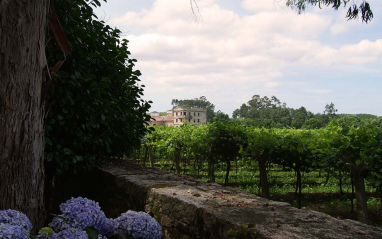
(81,218)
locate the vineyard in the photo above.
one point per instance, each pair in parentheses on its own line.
(341,163)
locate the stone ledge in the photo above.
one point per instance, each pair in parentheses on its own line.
(188,208)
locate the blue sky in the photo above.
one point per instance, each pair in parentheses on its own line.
(235,49)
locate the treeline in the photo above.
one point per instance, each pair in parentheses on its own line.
(272,113)
(351,147)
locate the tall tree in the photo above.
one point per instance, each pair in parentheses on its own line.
(267,112)
(330,110)
(220,117)
(22,64)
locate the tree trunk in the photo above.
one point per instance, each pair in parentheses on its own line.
(151,156)
(139,155)
(340,181)
(227,172)
(146,153)
(360,195)
(177,156)
(22,63)
(352,192)
(262,160)
(211,171)
(327,178)
(236,167)
(298,187)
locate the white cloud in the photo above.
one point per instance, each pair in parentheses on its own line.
(229,56)
(362,53)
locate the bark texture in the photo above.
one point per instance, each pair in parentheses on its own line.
(360,194)
(22,63)
(262,159)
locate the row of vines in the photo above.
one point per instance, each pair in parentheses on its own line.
(345,146)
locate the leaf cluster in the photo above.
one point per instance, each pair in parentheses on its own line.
(94,107)
(354,10)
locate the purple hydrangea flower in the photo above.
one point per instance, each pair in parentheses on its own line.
(59,223)
(139,225)
(74,233)
(82,212)
(15,218)
(106,227)
(9,231)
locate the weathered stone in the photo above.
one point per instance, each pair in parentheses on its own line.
(188,208)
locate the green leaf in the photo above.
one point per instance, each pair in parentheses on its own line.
(48,141)
(92,233)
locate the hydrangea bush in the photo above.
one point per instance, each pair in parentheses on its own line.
(81,218)
(14,225)
(138,225)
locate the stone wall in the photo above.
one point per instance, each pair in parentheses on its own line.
(188,208)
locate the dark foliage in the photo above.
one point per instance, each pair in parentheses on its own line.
(94,105)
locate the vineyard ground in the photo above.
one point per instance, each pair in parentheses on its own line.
(320,192)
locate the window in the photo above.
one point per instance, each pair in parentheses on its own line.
(181,120)
(194,113)
(198,120)
(184,113)
(176,120)
(176,113)
(189,113)
(198,114)
(194,120)
(189,120)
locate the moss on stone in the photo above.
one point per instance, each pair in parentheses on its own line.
(242,232)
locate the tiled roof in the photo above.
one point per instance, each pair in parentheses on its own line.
(163,118)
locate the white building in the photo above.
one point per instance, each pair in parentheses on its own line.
(179,116)
(196,116)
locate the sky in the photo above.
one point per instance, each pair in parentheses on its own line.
(230,50)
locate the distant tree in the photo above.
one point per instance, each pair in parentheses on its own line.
(242,112)
(220,117)
(330,110)
(268,112)
(355,9)
(312,123)
(236,114)
(358,116)
(316,122)
(200,102)
(299,116)
(279,115)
